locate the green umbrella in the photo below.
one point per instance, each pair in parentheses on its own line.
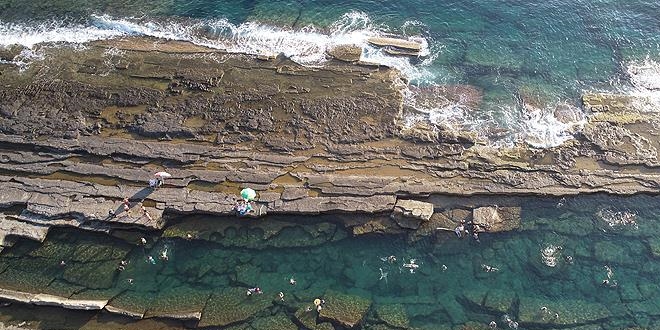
(248,194)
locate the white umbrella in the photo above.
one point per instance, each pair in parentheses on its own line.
(163,175)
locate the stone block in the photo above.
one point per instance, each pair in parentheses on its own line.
(497,219)
(411,213)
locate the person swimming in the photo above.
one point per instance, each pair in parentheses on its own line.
(255,290)
(163,255)
(489,269)
(412,265)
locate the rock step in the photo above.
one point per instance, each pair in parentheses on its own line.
(394,42)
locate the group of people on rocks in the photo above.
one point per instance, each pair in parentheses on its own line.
(244,207)
(126,205)
(465,229)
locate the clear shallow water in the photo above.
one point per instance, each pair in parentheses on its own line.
(594,233)
(526,56)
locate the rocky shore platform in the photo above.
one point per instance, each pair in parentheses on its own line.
(83,128)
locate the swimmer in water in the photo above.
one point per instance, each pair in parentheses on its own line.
(412,265)
(489,269)
(163,255)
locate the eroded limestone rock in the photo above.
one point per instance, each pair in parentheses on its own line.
(496,219)
(399,43)
(411,213)
(347,53)
(13,228)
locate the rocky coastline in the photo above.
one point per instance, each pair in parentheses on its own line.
(82,129)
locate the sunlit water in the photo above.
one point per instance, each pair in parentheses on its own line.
(562,254)
(526,56)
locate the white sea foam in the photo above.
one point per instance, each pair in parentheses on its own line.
(29,36)
(540,128)
(308,45)
(644,76)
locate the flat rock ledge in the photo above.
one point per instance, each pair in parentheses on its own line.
(51,300)
(80,130)
(411,213)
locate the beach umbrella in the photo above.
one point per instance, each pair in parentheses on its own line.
(163,175)
(248,194)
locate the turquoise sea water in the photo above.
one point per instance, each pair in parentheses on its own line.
(526,57)
(587,237)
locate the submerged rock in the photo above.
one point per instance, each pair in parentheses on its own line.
(183,303)
(277,322)
(232,306)
(499,301)
(345,310)
(393,315)
(307,316)
(564,313)
(380,225)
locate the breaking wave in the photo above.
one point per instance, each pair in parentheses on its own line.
(308,45)
(644,77)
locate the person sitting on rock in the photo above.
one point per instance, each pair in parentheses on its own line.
(243,207)
(459,230)
(153,183)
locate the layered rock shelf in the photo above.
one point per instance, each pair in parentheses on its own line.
(83,129)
